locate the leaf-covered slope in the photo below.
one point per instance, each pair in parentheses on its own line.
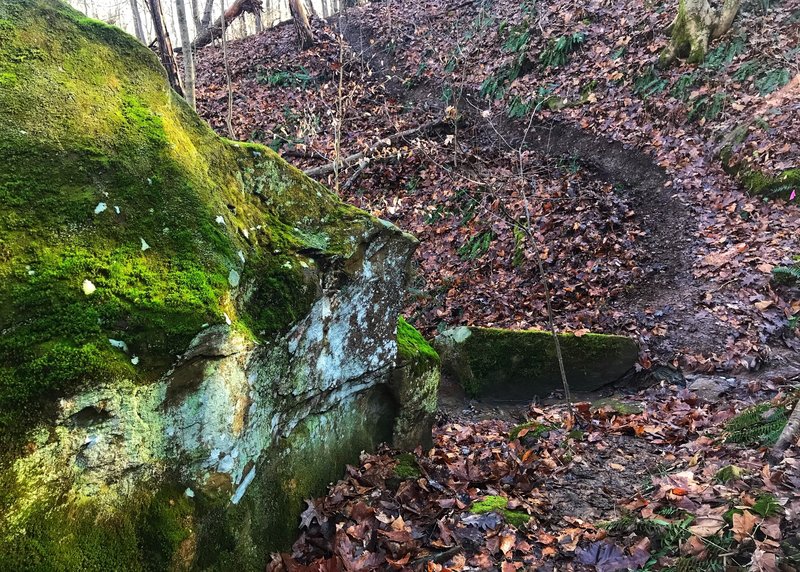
(124,217)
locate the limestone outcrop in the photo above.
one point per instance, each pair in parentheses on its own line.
(195,336)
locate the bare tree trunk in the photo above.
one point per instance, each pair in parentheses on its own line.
(165,46)
(300,17)
(236,9)
(697,23)
(195,16)
(137,21)
(206,19)
(259,23)
(188,55)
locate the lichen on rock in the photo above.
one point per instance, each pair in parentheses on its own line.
(170,406)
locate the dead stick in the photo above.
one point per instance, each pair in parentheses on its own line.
(356,157)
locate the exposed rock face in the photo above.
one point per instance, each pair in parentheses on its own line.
(195,336)
(514,364)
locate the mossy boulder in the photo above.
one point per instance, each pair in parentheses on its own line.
(521,364)
(415,382)
(195,336)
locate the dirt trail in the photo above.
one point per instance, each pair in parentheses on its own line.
(668,290)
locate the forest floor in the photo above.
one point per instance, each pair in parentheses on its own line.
(639,186)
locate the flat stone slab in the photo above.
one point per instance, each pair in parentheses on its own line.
(521,364)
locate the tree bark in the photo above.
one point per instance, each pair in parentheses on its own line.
(137,21)
(788,436)
(165,46)
(697,23)
(215,31)
(188,55)
(206,19)
(301,23)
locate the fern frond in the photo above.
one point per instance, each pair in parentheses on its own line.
(792,272)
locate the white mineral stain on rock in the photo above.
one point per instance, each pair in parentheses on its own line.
(189,493)
(241,256)
(227,318)
(145,246)
(100,208)
(233,278)
(119,344)
(135,360)
(240,490)
(116,209)
(88,287)
(220,219)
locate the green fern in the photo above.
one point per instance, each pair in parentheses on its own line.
(760,425)
(788,273)
(558,51)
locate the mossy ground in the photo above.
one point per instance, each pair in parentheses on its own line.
(498,504)
(86,118)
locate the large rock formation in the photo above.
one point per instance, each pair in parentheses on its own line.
(195,336)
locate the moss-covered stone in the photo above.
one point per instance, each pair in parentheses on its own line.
(415,384)
(617,406)
(521,364)
(196,336)
(498,504)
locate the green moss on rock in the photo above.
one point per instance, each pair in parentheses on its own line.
(415,384)
(498,504)
(147,533)
(520,364)
(100,158)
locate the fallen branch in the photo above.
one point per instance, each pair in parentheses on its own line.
(357,157)
(788,436)
(235,10)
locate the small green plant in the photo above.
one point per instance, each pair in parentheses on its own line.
(787,274)
(759,425)
(558,51)
(724,54)
(682,88)
(766,505)
(285,78)
(772,80)
(649,83)
(476,246)
(707,107)
(518,108)
(518,39)
(519,247)
(747,69)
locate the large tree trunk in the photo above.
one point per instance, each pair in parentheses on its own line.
(697,23)
(236,9)
(165,46)
(137,21)
(301,23)
(188,56)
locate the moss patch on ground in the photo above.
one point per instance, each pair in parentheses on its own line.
(109,177)
(498,504)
